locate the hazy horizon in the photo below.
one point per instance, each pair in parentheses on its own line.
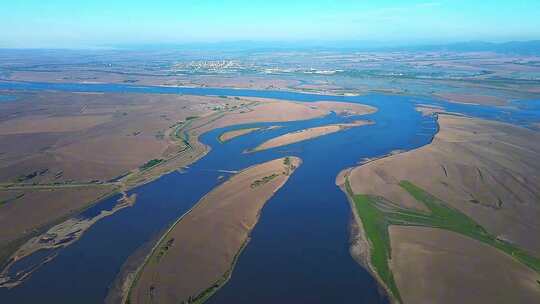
(71,24)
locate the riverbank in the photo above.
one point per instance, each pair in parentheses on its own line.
(360,246)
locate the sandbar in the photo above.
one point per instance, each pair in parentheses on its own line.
(226,136)
(305,134)
(196,256)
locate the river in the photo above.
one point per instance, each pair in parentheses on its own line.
(299,251)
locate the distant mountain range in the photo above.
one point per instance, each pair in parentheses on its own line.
(516,47)
(531,47)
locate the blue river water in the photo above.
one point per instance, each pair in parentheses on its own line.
(299,251)
(7,98)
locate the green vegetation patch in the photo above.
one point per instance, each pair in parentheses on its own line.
(160,135)
(287,161)
(263,181)
(11,199)
(151,163)
(164,248)
(375,226)
(377,213)
(445,217)
(26,177)
(288,166)
(210,291)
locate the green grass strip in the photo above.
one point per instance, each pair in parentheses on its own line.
(451,219)
(375,227)
(377,213)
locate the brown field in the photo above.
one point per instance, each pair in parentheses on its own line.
(487,170)
(473,99)
(62,234)
(344,108)
(36,209)
(47,124)
(196,256)
(438,266)
(265,110)
(428,110)
(298,136)
(84,76)
(226,136)
(66,76)
(31,208)
(86,137)
(58,142)
(54,137)
(268,110)
(318,86)
(246,82)
(61,149)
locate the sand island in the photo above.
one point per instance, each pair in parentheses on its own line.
(226,136)
(306,134)
(195,258)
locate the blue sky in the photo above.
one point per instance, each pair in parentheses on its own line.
(74,23)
